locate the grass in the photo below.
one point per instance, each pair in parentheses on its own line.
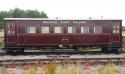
(70,69)
(123,33)
(1,34)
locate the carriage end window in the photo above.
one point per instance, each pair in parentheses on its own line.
(116,29)
(11,29)
(97,29)
(31,29)
(45,29)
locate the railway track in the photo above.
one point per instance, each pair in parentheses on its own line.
(46,56)
(27,57)
(62,62)
(103,58)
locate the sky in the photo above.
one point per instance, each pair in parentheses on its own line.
(74,9)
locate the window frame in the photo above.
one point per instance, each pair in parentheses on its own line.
(83,27)
(29,32)
(72,29)
(97,26)
(44,26)
(115,29)
(62,29)
(11,28)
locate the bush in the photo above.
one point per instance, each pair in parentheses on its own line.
(51,68)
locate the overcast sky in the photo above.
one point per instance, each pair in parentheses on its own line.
(71,8)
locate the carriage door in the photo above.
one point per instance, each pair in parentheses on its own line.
(10,33)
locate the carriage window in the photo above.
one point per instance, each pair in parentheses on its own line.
(84,29)
(116,29)
(44,29)
(97,29)
(31,29)
(71,29)
(10,28)
(58,29)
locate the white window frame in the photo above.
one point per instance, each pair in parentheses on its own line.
(70,29)
(29,30)
(45,29)
(58,29)
(116,29)
(83,29)
(101,29)
(11,28)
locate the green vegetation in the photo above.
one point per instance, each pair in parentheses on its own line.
(33,70)
(19,13)
(67,69)
(1,34)
(123,38)
(123,33)
(51,68)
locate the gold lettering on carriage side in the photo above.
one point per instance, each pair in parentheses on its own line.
(79,22)
(49,22)
(64,22)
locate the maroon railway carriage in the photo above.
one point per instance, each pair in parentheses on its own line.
(21,33)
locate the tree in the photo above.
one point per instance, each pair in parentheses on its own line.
(19,13)
(43,15)
(33,14)
(2,15)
